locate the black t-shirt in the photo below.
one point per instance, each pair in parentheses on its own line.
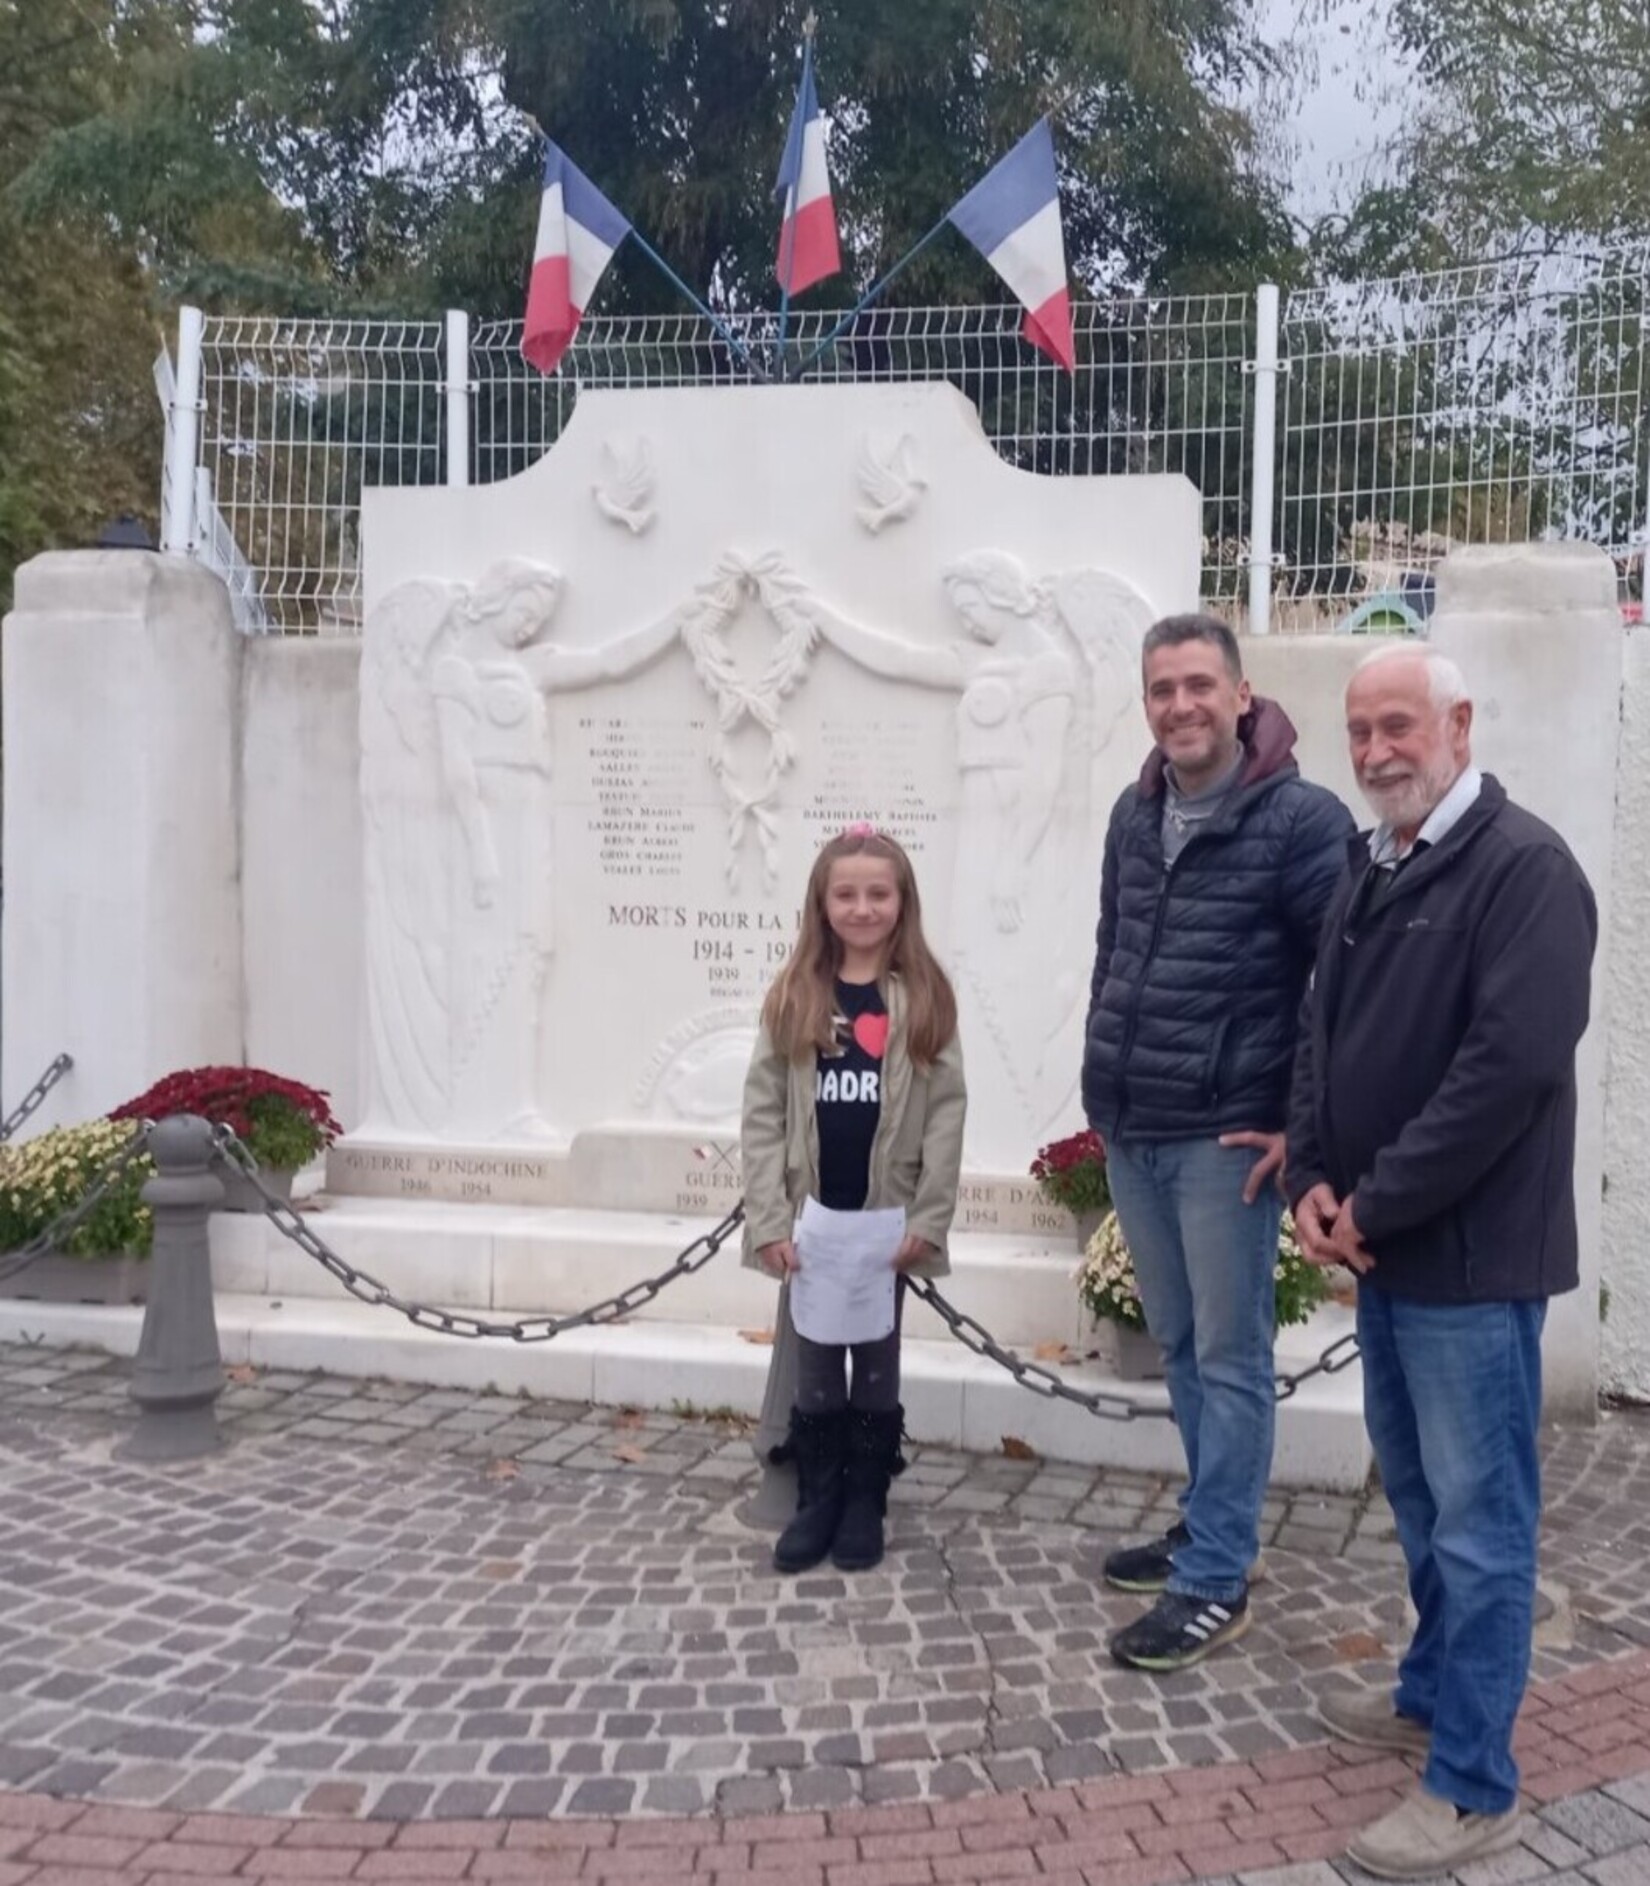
(848,1096)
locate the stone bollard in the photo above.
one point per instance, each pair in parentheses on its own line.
(178,1374)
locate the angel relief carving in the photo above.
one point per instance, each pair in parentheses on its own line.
(1043,673)
(456,766)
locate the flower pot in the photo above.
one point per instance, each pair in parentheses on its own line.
(1129,1354)
(118,1278)
(1088,1223)
(240,1194)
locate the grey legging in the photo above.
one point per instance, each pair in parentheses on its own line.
(821,1375)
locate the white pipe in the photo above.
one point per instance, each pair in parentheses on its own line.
(183,436)
(1264,471)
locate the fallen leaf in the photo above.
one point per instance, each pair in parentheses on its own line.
(1053,1352)
(629,1453)
(1357,1647)
(502,1469)
(241,1372)
(629,1418)
(1016,1449)
(763,1338)
(501,1569)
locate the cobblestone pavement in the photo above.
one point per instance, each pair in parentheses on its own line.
(491,1618)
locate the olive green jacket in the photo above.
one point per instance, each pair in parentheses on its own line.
(916,1157)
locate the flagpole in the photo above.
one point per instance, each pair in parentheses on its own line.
(741,352)
(871,294)
(809,27)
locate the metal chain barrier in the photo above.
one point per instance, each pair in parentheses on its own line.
(1340,1354)
(45,1242)
(36,1094)
(971,1334)
(1032,1375)
(370,1290)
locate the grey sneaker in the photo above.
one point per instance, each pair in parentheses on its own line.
(1368,1718)
(1426,1835)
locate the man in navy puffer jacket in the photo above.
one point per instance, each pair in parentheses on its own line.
(1219,866)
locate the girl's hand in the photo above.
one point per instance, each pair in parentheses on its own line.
(914,1250)
(779,1259)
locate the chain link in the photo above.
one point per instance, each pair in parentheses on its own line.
(370,1290)
(36,1094)
(47,1241)
(970,1333)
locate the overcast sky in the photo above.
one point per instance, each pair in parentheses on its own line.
(1351,98)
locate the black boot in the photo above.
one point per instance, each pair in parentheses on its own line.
(818,1444)
(873,1460)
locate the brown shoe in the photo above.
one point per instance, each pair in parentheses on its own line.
(1426,1835)
(1368,1718)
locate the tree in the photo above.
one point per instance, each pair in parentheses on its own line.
(78,331)
(1535,119)
(380,151)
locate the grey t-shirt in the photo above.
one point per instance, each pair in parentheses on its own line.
(1184,814)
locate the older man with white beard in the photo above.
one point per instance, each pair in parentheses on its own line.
(1432,1150)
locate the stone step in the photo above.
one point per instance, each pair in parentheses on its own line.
(951,1396)
(521,1260)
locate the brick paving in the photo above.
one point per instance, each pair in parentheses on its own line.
(393,1632)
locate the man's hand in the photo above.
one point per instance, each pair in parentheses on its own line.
(779,1259)
(1271,1148)
(912,1252)
(1315,1218)
(1347,1245)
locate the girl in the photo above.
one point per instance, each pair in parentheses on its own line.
(855,1100)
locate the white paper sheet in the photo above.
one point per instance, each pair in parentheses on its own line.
(844,1290)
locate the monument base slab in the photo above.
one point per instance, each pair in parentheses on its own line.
(952,1398)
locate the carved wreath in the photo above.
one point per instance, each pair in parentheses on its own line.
(759,700)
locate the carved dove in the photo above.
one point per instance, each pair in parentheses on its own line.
(888,482)
(625,493)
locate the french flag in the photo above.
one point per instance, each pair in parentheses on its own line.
(808,249)
(579,230)
(1012,216)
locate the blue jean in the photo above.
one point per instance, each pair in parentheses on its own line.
(1452,1399)
(1204,1262)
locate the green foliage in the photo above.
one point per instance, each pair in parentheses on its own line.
(47,1176)
(1534,117)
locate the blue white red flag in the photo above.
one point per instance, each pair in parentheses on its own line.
(1012,216)
(808,250)
(579,230)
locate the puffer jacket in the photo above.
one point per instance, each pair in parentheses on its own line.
(916,1156)
(1199,967)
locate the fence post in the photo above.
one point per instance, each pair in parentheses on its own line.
(1264,472)
(458,397)
(178,1373)
(183,436)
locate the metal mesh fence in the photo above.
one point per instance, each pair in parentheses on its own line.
(1160,387)
(1495,404)
(297,416)
(1498,404)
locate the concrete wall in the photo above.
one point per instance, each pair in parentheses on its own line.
(1625,1337)
(1536,631)
(182,847)
(301,862)
(122,941)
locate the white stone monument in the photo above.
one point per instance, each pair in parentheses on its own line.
(611,708)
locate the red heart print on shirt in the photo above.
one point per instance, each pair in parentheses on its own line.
(871,1032)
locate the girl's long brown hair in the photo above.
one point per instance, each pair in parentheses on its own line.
(799,1007)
